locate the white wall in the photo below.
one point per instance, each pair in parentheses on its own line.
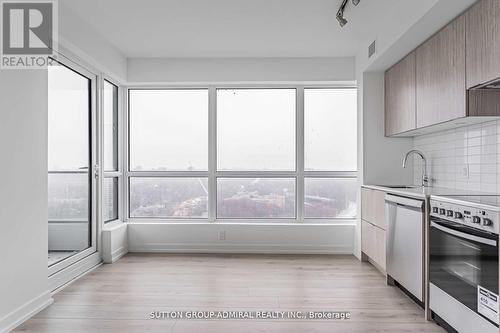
(23,193)
(78,37)
(241,238)
(400,37)
(382,156)
(475,148)
(114,241)
(173,70)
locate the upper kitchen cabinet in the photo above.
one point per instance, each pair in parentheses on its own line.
(400,96)
(483,42)
(440,76)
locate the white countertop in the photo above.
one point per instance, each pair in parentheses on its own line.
(422,192)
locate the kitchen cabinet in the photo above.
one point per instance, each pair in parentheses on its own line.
(400,96)
(427,91)
(373,207)
(440,76)
(373,244)
(483,42)
(373,226)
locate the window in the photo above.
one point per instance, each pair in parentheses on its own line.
(169,197)
(110,199)
(256,129)
(330,148)
(330,129)
(112,172)
(256,198)
(242,153)
(169,130)
(330,198)
(110,110)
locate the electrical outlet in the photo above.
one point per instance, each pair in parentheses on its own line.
(222,235)
(465,171)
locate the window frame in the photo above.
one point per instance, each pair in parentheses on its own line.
(299,174)
(95,226)
(120,138)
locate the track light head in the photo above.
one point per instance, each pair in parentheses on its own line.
(340,12)
(342,20)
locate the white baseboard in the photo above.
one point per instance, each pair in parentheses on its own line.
(74,271)
(24,312)
(118,253)
(241,248)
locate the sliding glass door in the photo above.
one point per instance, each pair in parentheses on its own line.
(71,165)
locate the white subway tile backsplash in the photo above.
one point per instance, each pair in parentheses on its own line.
(466,158)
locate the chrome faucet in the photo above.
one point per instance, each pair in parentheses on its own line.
(425,177)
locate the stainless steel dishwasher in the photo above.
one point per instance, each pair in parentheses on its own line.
(405,243)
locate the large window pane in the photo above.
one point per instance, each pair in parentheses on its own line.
(330,129)
(256,198)
(169,197)
(110,199)
(256,129)
(169,129)
(68,197)
(330,197)
(68,119)
(69,142)
(110,110)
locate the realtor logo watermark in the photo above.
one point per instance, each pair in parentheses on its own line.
(29,33)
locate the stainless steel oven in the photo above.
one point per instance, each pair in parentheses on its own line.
(463,265)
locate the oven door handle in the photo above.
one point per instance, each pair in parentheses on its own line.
(464,235)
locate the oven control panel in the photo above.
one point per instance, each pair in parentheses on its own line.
(483,219)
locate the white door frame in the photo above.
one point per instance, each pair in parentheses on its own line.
(55,271)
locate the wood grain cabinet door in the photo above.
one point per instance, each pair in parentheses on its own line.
(483,42)
(368,239)
(440,76)
(380,248)
(378,199)
(367,204)
(400,96)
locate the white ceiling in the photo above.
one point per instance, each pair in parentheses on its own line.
(242,28)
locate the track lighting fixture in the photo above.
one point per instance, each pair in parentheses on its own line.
(342,20)
(340,12)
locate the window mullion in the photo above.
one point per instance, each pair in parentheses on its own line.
(125,158)
(299,142)
(212,154)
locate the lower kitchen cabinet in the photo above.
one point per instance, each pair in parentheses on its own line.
(373,207)
(373,226)
(373,244)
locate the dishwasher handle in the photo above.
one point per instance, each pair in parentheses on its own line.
(403,201)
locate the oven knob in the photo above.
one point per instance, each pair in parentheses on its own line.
(449,213)
(442,211)
(435,210)
(487,222)
(476,219)
(458,215)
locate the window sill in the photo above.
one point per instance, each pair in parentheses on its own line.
(246,222)
(113,225)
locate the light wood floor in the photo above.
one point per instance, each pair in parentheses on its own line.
(120,297)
